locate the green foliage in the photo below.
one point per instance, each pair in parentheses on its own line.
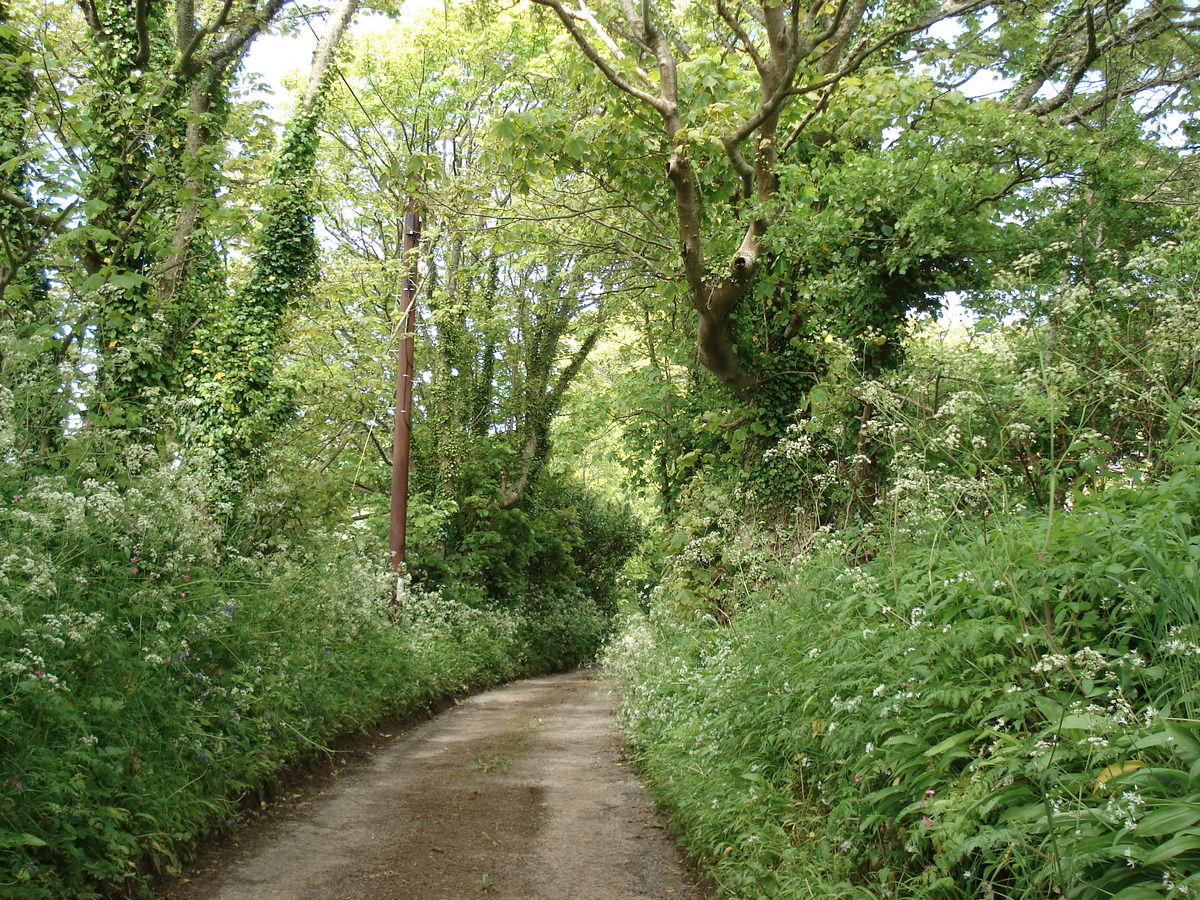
(506,320)
(153,679)
(978,676)
(31,351)
(969,710)
(565,543)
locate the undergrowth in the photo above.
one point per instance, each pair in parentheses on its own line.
(1011,711)
(153,678)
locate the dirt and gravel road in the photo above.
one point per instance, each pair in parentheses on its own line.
(520,794)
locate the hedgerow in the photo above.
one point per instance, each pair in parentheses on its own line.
(155,675)
(1006,712)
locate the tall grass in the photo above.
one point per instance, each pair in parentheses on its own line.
(1008,712)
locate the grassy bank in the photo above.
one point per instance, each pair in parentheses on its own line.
(152,678)
(1009,711)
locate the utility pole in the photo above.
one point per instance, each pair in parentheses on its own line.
(402,429)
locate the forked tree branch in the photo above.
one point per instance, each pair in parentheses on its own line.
(229,51)
(585,14)
(92,17)
(570,19)
(1093,102)
(743,37)
(53,224)
(865,49)
(195,37)
(1078,46)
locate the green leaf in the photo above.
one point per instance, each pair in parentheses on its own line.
(1172,848)
(1079,723)
(1156,739)
(950,742)
(21,840)
(1138,892)
(1184,738)
(127,280)
(1171,819)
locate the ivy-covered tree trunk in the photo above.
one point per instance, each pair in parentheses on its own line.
(30,350)
(127,195)
(238,402)
(461,401)
(545,380)
(143,132)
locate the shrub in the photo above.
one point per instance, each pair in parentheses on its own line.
(1007,712)
(153,676)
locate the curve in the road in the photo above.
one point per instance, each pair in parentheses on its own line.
(516,794)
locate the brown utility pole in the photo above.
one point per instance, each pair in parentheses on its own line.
(402,429)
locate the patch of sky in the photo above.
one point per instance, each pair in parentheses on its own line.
(279,61)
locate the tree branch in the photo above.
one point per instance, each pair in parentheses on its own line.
(838,32)
(196,36)
(864,51)
(1003,192)
(1088,55)
(585,14)
(572,370)
(375,443)
(1119,92)
(568,18)
(636,23)
(740,33)
(141,22)
(335,27)
(222,55)
(1079,48)
(185,22)
(52,224)
(92,16)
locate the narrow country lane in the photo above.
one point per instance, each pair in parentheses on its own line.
(519,793)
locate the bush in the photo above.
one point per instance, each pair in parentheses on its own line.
(1009,712)
(152,676)
(563,539)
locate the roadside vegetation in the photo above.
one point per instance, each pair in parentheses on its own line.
(162,669)
(975,690)
(1005,710)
